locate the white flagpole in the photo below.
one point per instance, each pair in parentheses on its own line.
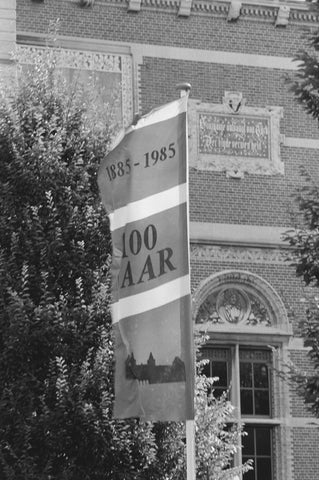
(184,89)
(190,449)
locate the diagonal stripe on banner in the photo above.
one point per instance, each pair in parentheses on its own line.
(148,206)
(154,298)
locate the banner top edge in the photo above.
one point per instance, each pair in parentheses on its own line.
(159,114)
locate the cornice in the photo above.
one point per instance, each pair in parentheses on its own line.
(174,4)
(299,11)
(237,235)
(263,9)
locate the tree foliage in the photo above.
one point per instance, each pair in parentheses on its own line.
(217,437)
(56,353)
(304,257)
(56,345)
(304,239)
(305,83)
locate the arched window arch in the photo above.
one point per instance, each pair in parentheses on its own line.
(237,301)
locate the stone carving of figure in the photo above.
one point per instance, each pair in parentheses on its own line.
(232,305)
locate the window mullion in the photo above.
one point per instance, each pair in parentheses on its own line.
(236,380)
(235,394)
(253,386)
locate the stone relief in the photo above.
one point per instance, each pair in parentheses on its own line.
(234,305)
(234,138)
(66,58)
(253,304)
(88,61)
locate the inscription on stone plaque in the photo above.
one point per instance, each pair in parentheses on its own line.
(238,140)
(244,136)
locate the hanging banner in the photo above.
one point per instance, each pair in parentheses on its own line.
(144,187)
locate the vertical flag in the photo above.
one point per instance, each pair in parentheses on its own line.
(143,183)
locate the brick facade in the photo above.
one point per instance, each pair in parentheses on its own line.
(251,56)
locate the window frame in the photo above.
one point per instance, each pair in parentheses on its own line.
(232,357)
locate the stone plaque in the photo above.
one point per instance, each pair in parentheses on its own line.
(234,135)
(247,141)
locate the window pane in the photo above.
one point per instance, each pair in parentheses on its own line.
(246,400)
(250,475)
(263,469)
(257,446)
(263,441)
(261,402)
(219,369)
(260,375)
(245,374)
(206,369)
(248,442)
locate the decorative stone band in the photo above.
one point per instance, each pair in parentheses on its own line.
(105,64)
(253,8)
(76,59)
(213,253)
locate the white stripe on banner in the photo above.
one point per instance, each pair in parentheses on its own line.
(148,206)
(151,299)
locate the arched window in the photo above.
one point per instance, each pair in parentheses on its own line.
(248,330)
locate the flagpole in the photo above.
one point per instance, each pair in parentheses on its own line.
(184,89)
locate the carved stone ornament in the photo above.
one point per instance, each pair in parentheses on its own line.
(233,305)
(283,13)
(120,65)
(235,138)
(134,6)
(233,101)
(243,255)
(238,299)
(234,10)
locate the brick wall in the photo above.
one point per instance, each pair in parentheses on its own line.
(214,198)
(302,362)
(162,26)
(305,443)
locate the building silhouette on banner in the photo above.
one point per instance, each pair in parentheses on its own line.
(151,373)
(247,140)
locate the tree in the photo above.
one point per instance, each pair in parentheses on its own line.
(304,257)
(56,344)
(217,439)
(56,353)
(304,239)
